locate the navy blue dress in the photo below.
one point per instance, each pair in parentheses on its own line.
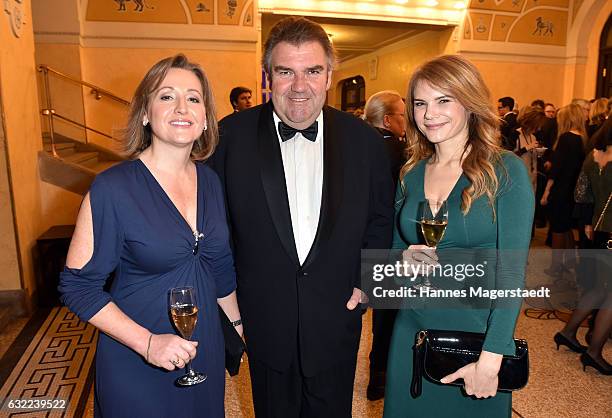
(141,236)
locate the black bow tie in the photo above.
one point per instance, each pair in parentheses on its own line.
(287,132)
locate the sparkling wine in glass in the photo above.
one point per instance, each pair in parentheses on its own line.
(184,312)
(433,220)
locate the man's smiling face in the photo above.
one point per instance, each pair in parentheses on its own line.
(300,79)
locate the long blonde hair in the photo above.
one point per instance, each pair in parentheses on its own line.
(459,78)
(571,118)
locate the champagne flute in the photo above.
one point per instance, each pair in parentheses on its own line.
(184,312)
(433,220)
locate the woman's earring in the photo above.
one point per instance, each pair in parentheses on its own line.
(145,122)
(205,127)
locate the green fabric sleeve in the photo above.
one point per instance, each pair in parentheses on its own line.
(514,216)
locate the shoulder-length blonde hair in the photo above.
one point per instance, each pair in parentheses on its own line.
(137,137)
(458,77)
(599,111)
(571,118)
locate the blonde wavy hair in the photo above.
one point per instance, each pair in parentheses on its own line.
(571,118)
(459,78)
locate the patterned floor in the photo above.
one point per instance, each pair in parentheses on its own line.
(53,375)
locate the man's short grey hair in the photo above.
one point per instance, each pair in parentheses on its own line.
(379,105)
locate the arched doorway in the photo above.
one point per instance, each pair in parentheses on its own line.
(353,93)
(604,69)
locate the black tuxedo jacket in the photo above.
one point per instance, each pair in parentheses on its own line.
(284,304)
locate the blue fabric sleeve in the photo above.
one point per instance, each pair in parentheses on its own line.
(515,209)
(81,290)
(221,258)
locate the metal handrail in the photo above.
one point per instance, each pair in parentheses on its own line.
(97,91)
(50,112)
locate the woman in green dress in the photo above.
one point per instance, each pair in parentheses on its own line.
(454,156)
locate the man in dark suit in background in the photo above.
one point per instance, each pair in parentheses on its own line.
(307,187)
(386,112)
(240,98)
(508,127)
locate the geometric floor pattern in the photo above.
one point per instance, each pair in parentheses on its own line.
(54,375)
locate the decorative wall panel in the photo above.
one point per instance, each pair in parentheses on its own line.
(145,11)
(537,22)
(202,11)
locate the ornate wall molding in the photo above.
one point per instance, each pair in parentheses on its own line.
(15,12)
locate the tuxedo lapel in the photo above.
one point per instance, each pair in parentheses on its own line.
(273,180)
(333,174)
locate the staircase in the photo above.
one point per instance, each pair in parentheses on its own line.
(76,163)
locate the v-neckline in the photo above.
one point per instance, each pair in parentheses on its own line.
(452,191)
(169,201)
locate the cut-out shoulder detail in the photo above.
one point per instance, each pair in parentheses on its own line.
(82,243)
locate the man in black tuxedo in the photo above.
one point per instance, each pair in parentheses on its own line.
(307,187)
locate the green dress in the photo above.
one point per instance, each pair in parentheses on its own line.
(510,230)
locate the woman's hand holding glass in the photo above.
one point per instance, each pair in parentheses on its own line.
(419,257)
(170,351)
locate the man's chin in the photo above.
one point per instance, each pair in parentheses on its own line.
(301,120)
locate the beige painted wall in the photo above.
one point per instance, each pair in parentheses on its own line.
(119,70)
(66,96)
(23,136)
(527,72)
(524,82)
(58,206)
(9,264)
(395,64)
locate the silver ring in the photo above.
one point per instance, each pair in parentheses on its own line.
(175,362)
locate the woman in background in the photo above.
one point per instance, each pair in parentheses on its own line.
(454,156)
(594,195)
(158,222)
(597,116)
(567,159)
(530,121)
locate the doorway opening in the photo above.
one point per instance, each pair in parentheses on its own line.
(353,94)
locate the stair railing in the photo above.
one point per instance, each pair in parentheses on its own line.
(50,113)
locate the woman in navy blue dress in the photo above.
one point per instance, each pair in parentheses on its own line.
(157,221)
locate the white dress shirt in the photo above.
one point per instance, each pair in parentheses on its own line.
(303,166)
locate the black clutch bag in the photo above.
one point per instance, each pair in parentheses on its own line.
(234,346)
(440,353)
